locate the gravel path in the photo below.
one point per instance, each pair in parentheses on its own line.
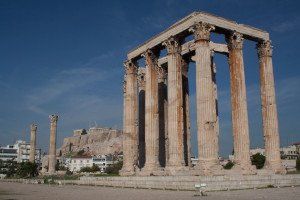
(18,191)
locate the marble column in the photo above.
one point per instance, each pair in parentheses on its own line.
(176,161)
(186,112)
(240,127)
(215,96)
(151,115)
(52,148)
(130,133)
(141,81)
(33,128)
(163,115)
(269,108)
(206,112)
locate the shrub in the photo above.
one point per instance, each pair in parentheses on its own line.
(298,164)
(229,165)
(114,168)
(258,160)
(27,169)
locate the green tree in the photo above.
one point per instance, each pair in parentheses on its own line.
(298,164)
(80,153)
(258,160)
(94,168)
(10,168)
(27,169)
(229,165)
(114,168)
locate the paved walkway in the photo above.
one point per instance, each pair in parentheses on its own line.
(19,191)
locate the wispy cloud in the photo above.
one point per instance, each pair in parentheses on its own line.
(287,25)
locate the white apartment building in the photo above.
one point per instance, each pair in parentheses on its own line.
(76,163)
(19,152)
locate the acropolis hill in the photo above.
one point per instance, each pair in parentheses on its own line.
(97,140)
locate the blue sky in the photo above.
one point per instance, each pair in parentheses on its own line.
(66,57)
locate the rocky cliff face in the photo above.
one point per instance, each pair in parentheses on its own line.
(97,141)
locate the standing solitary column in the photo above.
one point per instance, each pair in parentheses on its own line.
(175,106)
(151,115)
(130,134)
(33,128)
(206,112)
(186,113)
(240,127)
(269,108)
(141,82)
(52,148)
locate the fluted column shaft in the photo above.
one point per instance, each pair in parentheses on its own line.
(52,146)
(130,134)
(269,108)
(33,128)
(175,103)
(186,113)
(163,115)
(142,89)
(206,112)
(215,95)
(240,127)
(151,115)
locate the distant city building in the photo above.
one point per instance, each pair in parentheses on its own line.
(76,163)
(19,152)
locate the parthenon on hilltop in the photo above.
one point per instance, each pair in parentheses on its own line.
(156,101)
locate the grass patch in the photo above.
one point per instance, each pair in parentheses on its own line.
(99,175)
(4,193)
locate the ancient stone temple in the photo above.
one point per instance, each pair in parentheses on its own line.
(156,100)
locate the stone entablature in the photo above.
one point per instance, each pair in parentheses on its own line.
(157,140)
(222,26)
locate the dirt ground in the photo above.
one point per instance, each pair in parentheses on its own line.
(18,191)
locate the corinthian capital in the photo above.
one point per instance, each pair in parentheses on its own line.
(53,119)
(173,45)
(201,31)
(141,76)
(131,67)
(151,57)
(33,127)
(161,72)
(234,41)
(264,49)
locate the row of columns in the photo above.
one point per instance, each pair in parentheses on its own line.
(52,146)
(165,122)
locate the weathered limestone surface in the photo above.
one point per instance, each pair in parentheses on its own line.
(109,141)
(130,138)
(141,81)
(163,115)
(175,106)
(167,122)
(151,116)
(206,112)
(52,146)
(269,108)
(186,113)
(33,128)
(240,127)
(184,24)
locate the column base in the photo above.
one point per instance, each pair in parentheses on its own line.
(207,169)
(274,168)
(127,172)
(151,171)
(178,171)
(242,169)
